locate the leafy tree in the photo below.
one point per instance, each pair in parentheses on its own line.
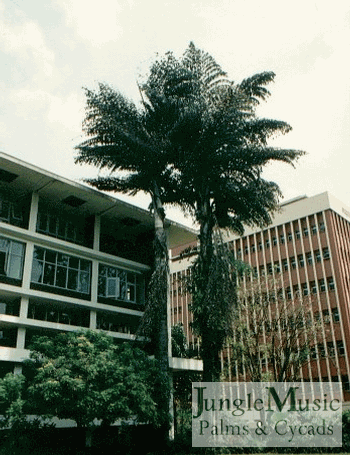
(178,341)
(272,336)
(11,400)
(221,147)
(84,376)
(21,434)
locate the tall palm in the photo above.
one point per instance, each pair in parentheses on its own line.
(133,145)
(221,149)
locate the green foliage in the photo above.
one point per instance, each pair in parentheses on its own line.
(219,148)
(84,376)
(269,327)
(196,142)
(11,401)
(178,341)
(213,304)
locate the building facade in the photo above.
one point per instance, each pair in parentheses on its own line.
(308,244)
(70,258)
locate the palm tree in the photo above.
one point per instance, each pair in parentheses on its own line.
(133,145)
(221,149)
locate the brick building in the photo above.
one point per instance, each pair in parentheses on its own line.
(308,243)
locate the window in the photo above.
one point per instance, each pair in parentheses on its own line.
(321,350)
(118,284)
(54,313)
(10,212)
(282,239)
(293,263)
(277,267)
(330,284)
(325,315)
(301,260)
(313,287)
(252,248)
(285,264)
(113,323)
(261,270)
(288,293)
(269,268)
(8,337)
(305,232)
(297,234)
(260,246)
(11,258)
(345,382)
(321,226)
(60,270)
(322,285)
(246,250)
(296,290)
(305,289)
(325,253)
(335,314)
(267,243)
(330,349)
(340,347)
(290,236)
(60,227)
(309,258)
(10,308)
(314,229)
(313,352)
(317,255)
(274,241)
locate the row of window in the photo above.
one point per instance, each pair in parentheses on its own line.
(10,212)
(281,239)
(52,313)
(293,262)
(312,287)
(320,350)
(63,271)
(56,225)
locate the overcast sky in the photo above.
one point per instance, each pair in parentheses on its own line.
(51,49)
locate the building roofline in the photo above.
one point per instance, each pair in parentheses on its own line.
(41,179)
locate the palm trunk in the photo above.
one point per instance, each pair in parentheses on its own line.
(209,349)
(162,279)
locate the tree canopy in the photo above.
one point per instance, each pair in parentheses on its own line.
(197,142)
(219,147)
(273,335)
(84,376)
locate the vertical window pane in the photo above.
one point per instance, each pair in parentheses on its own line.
(61,277)
(73,279)
(15,267)
(84,282)
(49,274)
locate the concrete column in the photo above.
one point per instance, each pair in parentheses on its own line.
(33,214)
(21,336)
(23,312)
(94,281)
(93,319)
(28,264)
(97,232)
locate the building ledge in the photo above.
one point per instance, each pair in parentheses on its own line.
(180,364)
